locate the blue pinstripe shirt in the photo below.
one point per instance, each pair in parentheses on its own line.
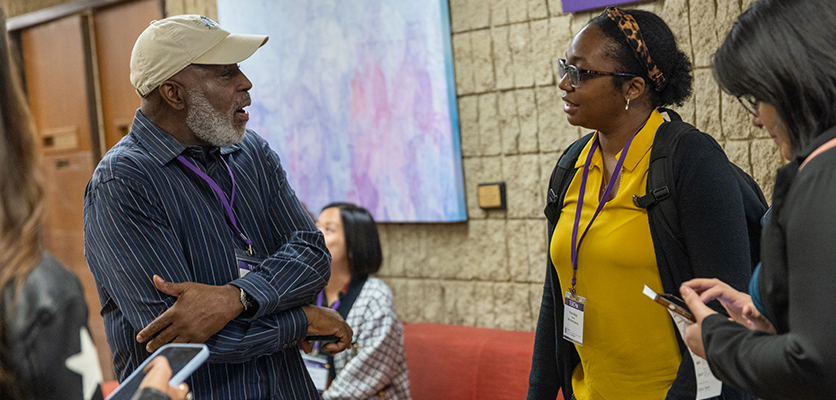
(145,213)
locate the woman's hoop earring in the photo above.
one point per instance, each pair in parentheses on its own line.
(627,107)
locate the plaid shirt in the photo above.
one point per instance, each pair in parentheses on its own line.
(145,213)
(378,363)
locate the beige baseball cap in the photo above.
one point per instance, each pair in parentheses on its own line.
(169,45)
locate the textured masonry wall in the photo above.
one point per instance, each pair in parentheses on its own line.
(489,271)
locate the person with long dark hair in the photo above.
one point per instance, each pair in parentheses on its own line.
(598,336)
(779,59)
(376,367)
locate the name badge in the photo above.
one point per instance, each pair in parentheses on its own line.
(318,370)
(573,309)
(246,262)
(708,386)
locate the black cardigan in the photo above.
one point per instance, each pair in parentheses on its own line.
(797,286)
(716,242)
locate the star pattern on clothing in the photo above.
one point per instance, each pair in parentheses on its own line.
(86,364)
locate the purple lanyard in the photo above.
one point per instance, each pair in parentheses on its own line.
(576,244)
(319,301)
(227,203)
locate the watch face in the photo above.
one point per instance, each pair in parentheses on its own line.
(245,300)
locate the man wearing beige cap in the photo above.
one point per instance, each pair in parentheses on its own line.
(193,199)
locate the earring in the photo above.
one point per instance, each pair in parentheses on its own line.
(627,107)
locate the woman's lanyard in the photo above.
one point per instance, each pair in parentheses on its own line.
(319,304)
(319,301)
(576,244)
(227,203)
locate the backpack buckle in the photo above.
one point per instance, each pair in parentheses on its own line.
(655,196)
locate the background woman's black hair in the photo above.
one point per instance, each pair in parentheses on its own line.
(784,54)
(362,242)
(661,44)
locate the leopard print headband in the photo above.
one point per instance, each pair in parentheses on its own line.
(630,28)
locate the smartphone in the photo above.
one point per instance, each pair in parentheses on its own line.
(322,338)
(184,358)
(671,302)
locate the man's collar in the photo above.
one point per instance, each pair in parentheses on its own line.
(160,144)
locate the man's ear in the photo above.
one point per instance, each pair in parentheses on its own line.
(174,94)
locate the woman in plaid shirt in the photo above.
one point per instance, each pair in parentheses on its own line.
(376,367)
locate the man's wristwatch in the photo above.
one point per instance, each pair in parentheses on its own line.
(246,300)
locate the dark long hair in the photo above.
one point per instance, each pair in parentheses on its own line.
(21,202)
(362,242)
(661,44)
(783,53)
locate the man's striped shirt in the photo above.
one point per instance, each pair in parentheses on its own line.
(146,213)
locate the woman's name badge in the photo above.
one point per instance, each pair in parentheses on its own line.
(573,308)
(708,386)
(318,370)
(246,262)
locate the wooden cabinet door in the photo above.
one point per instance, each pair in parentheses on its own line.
(116,29)
(55,62)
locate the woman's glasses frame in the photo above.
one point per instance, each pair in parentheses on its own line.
(575,73)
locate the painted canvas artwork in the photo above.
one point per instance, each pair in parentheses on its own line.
(358,99)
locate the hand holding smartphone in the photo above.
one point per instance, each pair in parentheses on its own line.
(671,302)
(184,358)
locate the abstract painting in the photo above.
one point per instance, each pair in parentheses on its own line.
(358,99)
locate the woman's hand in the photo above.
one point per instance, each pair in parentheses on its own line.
(693,332)
(739,305)
(756,320)
(158,373)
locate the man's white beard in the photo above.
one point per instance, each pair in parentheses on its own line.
(211,126)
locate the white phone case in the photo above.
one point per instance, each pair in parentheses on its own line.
(184,359)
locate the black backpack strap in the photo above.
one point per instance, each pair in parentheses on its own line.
(664,144)
(562,175)
(660,177)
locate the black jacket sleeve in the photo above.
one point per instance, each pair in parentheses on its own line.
(800,361)
(545,377)
(148,393)
(711,214)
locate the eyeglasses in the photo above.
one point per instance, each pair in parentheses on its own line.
(750,103)
(575,73)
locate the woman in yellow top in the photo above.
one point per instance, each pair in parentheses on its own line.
(598,336)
